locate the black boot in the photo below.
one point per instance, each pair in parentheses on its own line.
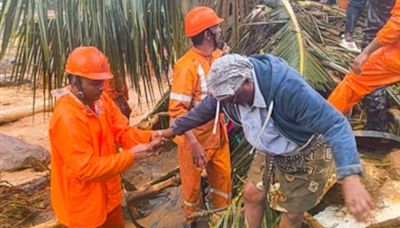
(376,107)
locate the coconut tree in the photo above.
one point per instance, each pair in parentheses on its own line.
(140,38)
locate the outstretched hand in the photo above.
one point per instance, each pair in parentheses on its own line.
(142,151)
(167,134)
(157,138)
(153,148)
(357,199)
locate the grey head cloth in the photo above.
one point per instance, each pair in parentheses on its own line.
(227,74)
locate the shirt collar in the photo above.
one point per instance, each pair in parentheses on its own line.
(259,101)
(216,53)
(58,93)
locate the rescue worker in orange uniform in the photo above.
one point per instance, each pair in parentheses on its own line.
(377,65)
(85,129)
(206,147)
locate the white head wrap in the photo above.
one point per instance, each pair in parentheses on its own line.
(227,75)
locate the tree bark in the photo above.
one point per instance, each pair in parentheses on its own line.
(17,113)
(152,189)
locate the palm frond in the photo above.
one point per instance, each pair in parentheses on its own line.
(299,37)
(292,43)
(131,33)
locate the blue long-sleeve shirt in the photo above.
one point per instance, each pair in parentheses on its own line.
(299,112)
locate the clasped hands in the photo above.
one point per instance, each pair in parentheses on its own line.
(155,147)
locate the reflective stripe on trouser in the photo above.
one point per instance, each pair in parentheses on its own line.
(355,86)
(226,195)
(218,176)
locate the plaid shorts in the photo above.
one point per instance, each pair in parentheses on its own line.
(296,181)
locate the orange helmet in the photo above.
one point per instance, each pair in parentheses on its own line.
(88,62)
(199,19)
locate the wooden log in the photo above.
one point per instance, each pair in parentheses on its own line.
(30,186)
(166,176)
(148,123)
(35,184)
(148,190)
(311,221)
(13,114)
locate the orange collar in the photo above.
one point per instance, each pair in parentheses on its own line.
(58,93)
(201,52)
(216,54)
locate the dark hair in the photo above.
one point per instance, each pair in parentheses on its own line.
(199,38)
(69,78)
(75,80)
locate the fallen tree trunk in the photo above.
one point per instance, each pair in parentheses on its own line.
(148,190)
(13,114)
(33,185)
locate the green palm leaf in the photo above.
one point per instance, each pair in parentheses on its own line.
(299,37)
(131,33)
(292,43)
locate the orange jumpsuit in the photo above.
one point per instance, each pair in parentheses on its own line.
(381,69)
(85,166)
(188,88)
